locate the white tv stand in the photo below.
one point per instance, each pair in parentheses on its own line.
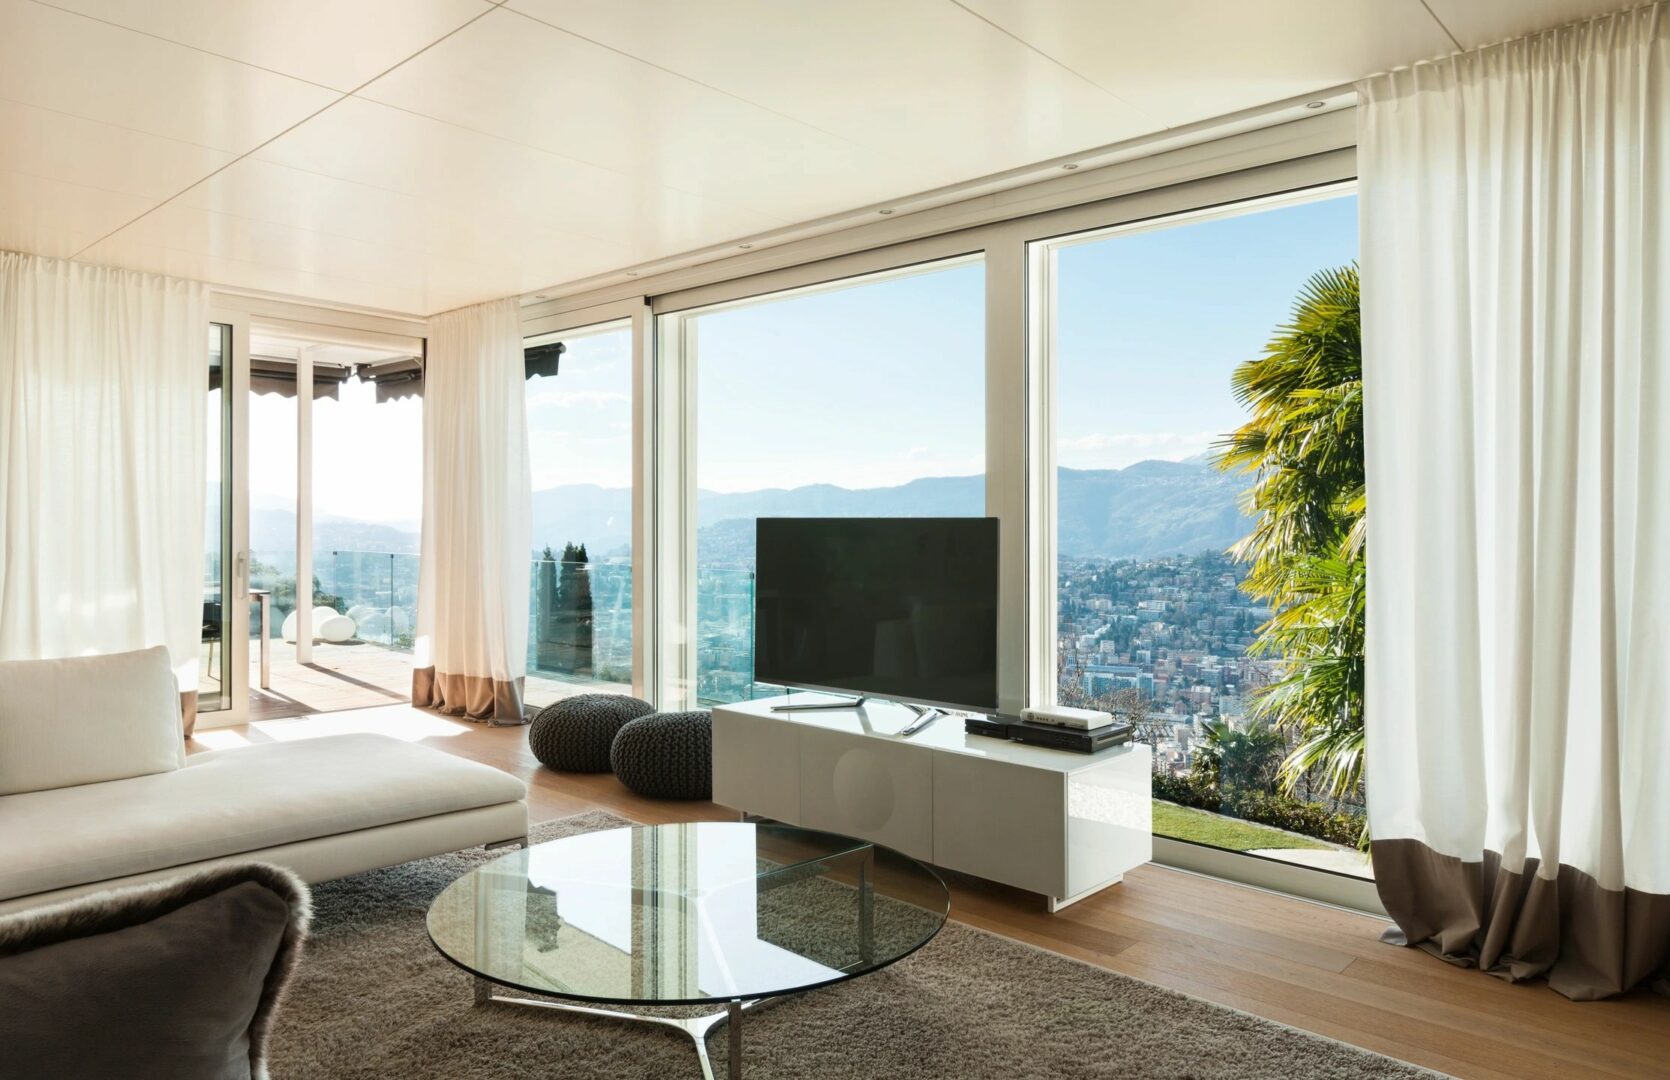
(1050,821)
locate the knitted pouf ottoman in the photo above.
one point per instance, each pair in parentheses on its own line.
(666,755)
(574,734)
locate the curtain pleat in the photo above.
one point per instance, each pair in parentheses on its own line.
(472,618)
(103,375)
(1516,287)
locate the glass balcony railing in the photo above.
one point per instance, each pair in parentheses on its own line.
(376,589)
(580,621)
(725,636)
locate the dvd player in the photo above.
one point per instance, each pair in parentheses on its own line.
(1048,735)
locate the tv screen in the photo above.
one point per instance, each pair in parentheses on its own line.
(902,608)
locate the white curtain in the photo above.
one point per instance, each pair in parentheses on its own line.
(472,619)
(1516,340)
(103,377)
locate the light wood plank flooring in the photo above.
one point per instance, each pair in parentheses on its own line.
(1302,964)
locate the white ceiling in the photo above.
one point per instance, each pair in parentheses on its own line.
(417,155)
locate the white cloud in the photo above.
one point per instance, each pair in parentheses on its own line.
(1102,451)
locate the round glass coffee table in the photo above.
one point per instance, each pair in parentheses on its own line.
(710,913)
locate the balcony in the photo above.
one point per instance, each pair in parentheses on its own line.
(579,635)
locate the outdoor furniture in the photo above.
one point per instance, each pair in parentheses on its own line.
(666,755)
(575,734)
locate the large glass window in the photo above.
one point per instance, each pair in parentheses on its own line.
(579,401)
(1156,336)
(862,399)
(368,508)
(213,691)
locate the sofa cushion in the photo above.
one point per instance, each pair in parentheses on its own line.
(227,802)
(86,719)
(178,979)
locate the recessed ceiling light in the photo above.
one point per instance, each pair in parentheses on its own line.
(1315,104)
(884,212)
(1069,166)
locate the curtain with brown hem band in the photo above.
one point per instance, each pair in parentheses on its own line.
(470,651)
(1515,249)
(1589,942)
(474,697)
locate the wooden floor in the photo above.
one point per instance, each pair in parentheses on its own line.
(1303,964)
(360,675)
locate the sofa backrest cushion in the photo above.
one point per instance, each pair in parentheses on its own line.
(87,719)
(179,979)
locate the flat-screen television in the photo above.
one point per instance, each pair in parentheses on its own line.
(901,608)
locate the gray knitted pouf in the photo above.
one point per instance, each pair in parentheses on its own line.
(666,755)
(574,734)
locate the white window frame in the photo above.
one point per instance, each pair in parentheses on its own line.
(632,312)
(1020,421)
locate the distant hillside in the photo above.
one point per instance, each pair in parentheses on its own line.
(1149,509)
(1146,510)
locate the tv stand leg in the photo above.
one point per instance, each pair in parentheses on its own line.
(822,706)
(1056,903)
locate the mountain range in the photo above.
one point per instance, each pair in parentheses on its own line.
(1146,510)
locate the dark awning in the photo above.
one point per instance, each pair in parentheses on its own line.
(542,359)
(277,375)
(395,379)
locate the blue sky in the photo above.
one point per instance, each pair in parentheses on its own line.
(1151,323)
(884,382)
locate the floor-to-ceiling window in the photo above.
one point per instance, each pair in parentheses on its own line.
(579,403)
(1157,332)
(335,481)
(861,398)
(367,490)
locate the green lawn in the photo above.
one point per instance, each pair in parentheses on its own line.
(1204,827)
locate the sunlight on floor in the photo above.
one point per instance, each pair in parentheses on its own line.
(396,721)
(223,739)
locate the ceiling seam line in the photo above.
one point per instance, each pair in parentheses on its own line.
(420,114)
(692,80)
(1443,26)
(1063,65)
(110,124)
(269,141)
(184,45)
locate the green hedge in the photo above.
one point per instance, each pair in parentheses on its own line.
(1265,808)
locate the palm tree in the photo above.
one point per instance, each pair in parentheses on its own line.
(1303,448)
(1238,761)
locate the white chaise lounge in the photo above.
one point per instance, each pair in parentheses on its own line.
(96,790)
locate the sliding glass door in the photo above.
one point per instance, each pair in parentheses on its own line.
(214,685)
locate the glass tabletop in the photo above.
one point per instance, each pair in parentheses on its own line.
(687,914)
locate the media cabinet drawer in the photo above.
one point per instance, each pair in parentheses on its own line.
(1001,821)
(857,786)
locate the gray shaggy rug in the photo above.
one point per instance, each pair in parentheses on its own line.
(374,999)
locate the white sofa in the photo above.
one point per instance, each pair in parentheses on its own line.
(96,790)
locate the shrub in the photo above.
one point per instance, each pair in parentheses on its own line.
(1263,808)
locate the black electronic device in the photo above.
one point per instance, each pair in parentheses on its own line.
(1049,735)
(900,608)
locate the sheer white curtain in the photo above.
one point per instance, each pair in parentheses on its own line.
(102,423)
(472,619)
(1516,340)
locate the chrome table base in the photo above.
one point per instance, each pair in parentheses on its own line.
(696,1027)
